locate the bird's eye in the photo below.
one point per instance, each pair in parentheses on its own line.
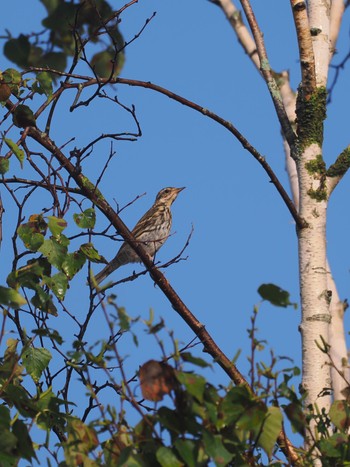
(166,190)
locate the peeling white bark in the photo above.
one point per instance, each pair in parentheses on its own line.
(313,285)
(337,341)
(319,17)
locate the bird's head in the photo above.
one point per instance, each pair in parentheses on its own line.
(168,195)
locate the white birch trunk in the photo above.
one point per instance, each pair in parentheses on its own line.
(322,310)
(340,372)
(313,284)
(319,12)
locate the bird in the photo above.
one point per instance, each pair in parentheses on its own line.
(151,231)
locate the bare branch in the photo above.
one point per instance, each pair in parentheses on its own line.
(234,17)
(269,76)
(27,182)
(230,127)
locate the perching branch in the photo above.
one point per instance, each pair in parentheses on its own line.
(92,193)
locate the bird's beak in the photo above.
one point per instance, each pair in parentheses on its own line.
(180,189)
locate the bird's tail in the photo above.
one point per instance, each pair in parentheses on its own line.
(107,270)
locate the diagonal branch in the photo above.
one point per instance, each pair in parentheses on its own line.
(92,193)
(234,17)
(198,328)
(204,111)
(232,129)
(269,77)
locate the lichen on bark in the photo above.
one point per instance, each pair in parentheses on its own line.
(341,165)
(311,112)
(316,166)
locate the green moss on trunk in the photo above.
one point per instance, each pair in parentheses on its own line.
(311,112)
(341,165)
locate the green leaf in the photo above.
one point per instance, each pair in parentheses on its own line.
(187,450)
(275,295)
(8,444)
(23,116)
(296,416)
(271,428)
(54,251)
(19,153)
(50,5)
(54,60)
(215,448)
(11,298)
(129,458)
(4,165)
(18,50)
(236,402)
(87,14)
(56,225)
(188,357)
(339,414)
(90,252)
(30,237)
(34,59)
(86,219)
(18,396)
(29,275)
(49,333)
(252,417)
(170,419)
(43,301)
(36,360)
(61,18)
(25,444)
(73,262)
(107,64)
(194,384)
(43,84)
(49,411)
(5,417)
(58,283)
(12,77)
(167,458)
(124,318)
(336,447)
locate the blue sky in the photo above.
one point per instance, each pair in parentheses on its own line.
(243,234)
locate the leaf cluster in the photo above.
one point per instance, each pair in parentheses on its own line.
(67,25)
